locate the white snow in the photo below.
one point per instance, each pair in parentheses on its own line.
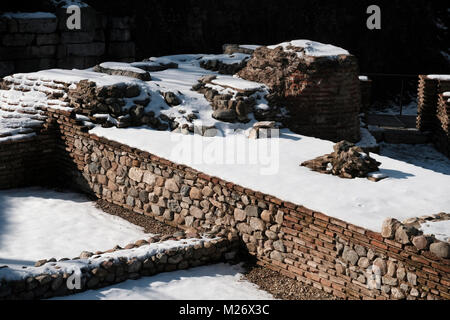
(227,58)
(220,282)
(272,166)
(37,223)
(367,139)
(250,46)
(312,48)
(445,77)
(29,15)
(237,83)
(121,66)
(441,229)
(75,76)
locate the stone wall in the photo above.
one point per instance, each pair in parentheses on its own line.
(116,265)
(343,259)
(433,112)
(30,43)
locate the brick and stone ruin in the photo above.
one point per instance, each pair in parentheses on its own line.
(108,129)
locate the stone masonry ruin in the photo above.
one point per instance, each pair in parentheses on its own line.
(320,90)
(51,140)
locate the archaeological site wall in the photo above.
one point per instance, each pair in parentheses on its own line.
(333,255)
(31,42)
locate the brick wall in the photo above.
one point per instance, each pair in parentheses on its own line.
(30,44)
(433,112)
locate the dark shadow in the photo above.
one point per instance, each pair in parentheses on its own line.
(420,155)
(395,174)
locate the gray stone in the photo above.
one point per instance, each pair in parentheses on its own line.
(397,294)
(196,212)
(271,235)
(389,227)
(421,242)
(360,250)
(157,210)
(350,256)
(279,246)
(380,265)
(172,185)
(257,224)
(86,255)
(149,178)
(412,278)
(184,190)
(389,281)
(441,249)
(171,99)
(130,201)
(135,174)
(403,234)
(227,115)
(276,255)
(252,211)
(239,215)
(363,262)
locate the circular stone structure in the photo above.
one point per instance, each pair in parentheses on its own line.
(317,84)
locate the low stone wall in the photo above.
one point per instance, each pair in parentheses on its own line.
(114,266)
(433,112)
(340,258)
(30,43)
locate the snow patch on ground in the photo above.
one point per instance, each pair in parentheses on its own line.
(37,223)
(220,281)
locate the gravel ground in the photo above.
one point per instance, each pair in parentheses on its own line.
(150,225)
(282,287)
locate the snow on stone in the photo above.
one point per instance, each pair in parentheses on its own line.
(227,58)
(249,46)
(219,281)
(440,229)
(121,66)
(312,48)
(39,224)
(74,76)
(19,112)
(15,268)
(445,77)
(272,166)
(237,83)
